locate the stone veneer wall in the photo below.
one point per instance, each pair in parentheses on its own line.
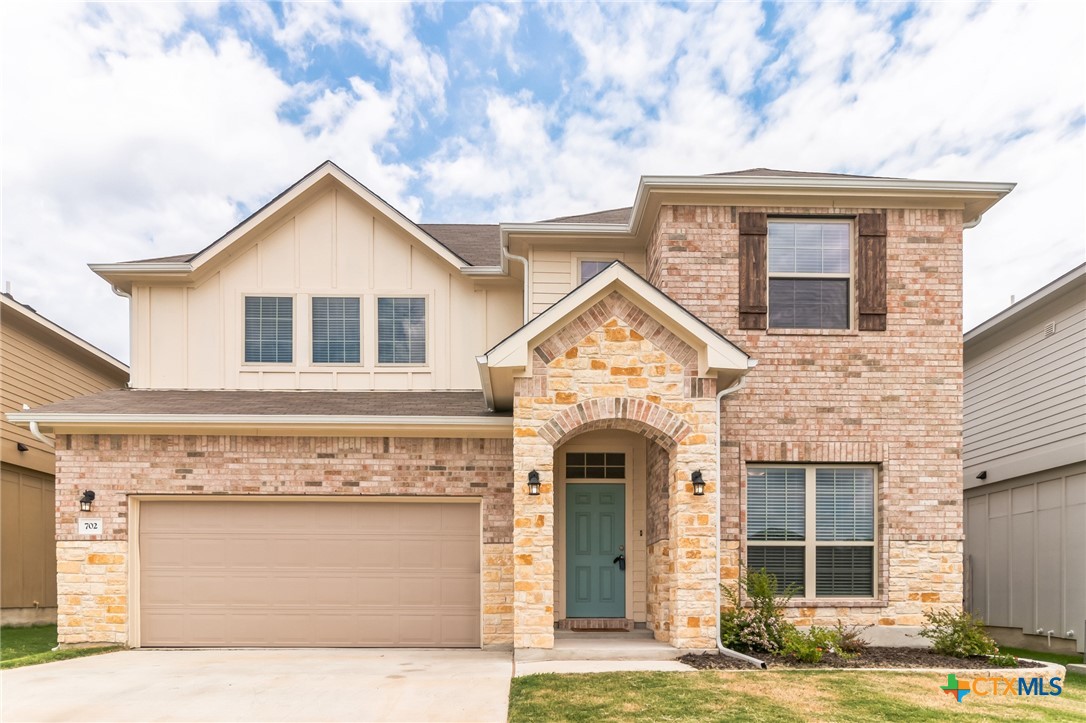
(892,398)
(656,474)
(614,367)
(661,569)
(92,575)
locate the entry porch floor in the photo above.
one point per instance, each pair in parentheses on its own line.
(631,645)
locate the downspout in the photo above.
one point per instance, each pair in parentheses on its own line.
(972,224)
(37,432)
(524,262)
(738,386)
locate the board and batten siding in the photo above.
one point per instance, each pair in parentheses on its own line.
(1024,549)
(1025,393)
(192,337)
(554,272)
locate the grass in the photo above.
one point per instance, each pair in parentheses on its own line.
(33,645)
(1061,658)
(775,696)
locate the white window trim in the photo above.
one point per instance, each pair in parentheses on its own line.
(579,257)
(427,310)
(361,331)
(294,327)
(810,543)
(850,276)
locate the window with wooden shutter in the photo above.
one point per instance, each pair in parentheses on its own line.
(753,282)
(871,271)
(809,274)
(813,527)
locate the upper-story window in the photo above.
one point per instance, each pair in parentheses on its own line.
(809,274)
(591,267)
(269,329)
(813,527)
(401,330)
(337,330)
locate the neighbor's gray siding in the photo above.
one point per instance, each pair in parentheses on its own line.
(1025,392)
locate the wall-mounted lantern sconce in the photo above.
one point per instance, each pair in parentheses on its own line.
(533,483)
(699,483)
(983,474)
(85,501)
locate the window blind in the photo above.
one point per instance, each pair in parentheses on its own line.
(844,571)
(845,504)
(775,504)
(336,330)
(269,329)
(784,563)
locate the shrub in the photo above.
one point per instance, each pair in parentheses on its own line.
(1003,660)
(957,633)
(808,646)
(848,640)
(755,621)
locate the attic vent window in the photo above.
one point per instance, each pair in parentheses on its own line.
(1050,329)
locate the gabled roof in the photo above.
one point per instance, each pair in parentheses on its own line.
(716,354)
(1073,280)
(320,178)
(59,334)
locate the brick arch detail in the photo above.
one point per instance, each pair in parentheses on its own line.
(655,422)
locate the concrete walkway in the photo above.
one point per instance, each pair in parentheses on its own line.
(263,685)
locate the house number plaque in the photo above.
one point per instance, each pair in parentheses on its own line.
(90,525)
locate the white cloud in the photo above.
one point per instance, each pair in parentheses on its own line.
(145,129)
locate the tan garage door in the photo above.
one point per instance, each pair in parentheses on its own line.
(309,573)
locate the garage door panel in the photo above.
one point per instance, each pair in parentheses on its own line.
(300,574)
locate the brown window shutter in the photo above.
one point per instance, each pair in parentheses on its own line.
(871,272)
(753,281)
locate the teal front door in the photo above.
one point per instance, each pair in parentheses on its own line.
(595,537)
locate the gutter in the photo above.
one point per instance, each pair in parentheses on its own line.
(51,444)
(738,386)
(256,420)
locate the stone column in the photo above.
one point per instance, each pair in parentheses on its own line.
(694,541)
(533,533)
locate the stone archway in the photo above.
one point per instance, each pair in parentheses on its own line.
(611,376)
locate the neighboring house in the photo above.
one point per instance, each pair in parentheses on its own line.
(39,363)
(1025,467)
(344,428)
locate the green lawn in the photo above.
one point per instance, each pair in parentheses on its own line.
(30,646)
(775,696)
(1061,658)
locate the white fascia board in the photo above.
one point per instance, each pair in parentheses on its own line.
(63,333)
(1047,291)
(176,267)
(513,351)
(261,420)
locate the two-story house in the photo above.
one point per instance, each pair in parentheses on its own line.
(346,428)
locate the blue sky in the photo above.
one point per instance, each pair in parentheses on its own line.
(145,129)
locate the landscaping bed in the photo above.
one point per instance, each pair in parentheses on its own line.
(872,657)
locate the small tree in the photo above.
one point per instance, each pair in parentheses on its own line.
(755,618)
(957,633)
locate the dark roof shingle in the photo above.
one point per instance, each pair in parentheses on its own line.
(245,403)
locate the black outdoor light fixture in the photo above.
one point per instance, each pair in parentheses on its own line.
(983,474)
(699,483)
(85,501)
(533,483)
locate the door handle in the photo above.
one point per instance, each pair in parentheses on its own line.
(621,560)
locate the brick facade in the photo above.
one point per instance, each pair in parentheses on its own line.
(92,578)
(889,398)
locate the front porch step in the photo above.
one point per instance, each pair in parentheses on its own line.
(636,645)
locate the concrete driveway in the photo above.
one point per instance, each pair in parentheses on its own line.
(263,685)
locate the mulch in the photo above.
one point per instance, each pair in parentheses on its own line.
(873,657)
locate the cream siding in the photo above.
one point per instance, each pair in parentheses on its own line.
(554,272)
(192,337)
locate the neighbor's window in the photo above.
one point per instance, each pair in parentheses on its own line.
(269,329)
(595,465)
(809,274)
(813,527)
(336,330)
(401,330)
(590,268)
